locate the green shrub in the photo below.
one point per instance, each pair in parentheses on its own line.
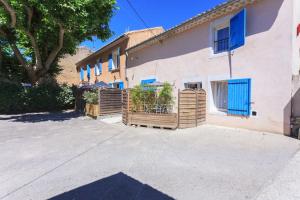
(11,98)
(152,99)
(165,96)
(65,96)
(16,99)
(137,97)
(91,96)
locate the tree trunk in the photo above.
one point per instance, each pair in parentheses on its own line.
(39,77)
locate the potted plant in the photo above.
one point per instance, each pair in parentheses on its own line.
(92,103)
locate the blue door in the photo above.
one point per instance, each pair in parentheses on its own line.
(239,97)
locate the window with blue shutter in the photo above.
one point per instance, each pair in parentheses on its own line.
(222,40)
(110,63)
(238,30)
(100,66)
(239,97)
(81,74)
(96,70)
(88,71)
(118,58)
(148,81)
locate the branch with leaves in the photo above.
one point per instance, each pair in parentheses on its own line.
(39,33)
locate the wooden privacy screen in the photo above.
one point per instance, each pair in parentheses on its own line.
(110,101)
(161,120)
(191,111)
(158,120)
(191,108)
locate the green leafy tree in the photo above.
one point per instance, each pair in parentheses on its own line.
(39,32)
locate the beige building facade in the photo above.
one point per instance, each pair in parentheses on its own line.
(108,64)
(69,74)
(196,54)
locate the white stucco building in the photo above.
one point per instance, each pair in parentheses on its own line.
(244,53)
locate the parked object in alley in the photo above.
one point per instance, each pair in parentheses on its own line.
(296,127)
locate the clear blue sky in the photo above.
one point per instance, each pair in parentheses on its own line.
(166,13)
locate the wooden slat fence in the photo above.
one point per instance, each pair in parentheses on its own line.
(191,108)
(141,118)
(191,112)
(110,101)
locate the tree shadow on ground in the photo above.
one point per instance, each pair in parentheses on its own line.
(41,117)
(115,187)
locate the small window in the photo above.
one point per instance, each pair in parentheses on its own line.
(221,41)
(193,85)
(98,67)
(220,95)
(118,85)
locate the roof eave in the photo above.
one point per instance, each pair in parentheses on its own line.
(101,50)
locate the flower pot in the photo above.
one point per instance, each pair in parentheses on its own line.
(92,110)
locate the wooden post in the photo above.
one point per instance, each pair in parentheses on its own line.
(99,100)
(128,105)
(128,99)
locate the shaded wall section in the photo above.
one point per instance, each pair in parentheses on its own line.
(296,97)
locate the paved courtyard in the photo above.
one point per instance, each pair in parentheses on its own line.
(64,156)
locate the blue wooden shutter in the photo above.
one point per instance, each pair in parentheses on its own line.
(81,74)
(239,97)
(148,81)
(110,63)
(238,30)
(121,85)
(88,69)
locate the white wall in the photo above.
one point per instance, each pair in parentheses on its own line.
(266,59)
(296,40)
